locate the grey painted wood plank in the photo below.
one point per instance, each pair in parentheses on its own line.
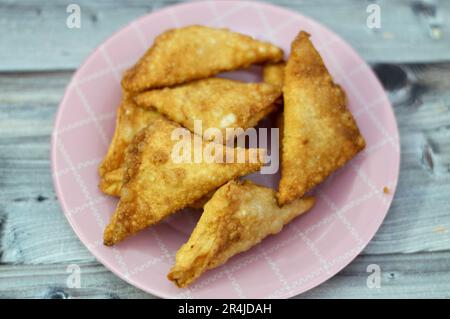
(28,203)
(424,275)
(34,36)
(50,281)
(424,182)
(419,219)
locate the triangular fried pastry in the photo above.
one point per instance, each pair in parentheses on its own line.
(216,102)
(237,217)
(195,52)
(130,119)
(320,134)
(157,183)
(273,73)
(111,184)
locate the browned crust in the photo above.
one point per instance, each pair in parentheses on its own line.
(219,103)
(273,73)
(130,119)
(154,186)
(238,216)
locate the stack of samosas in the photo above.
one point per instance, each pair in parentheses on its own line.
(174,85)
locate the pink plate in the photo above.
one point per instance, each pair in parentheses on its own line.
(351,204)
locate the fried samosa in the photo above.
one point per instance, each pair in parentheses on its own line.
(320,134)
(216,102)
(111,184)
(195,52)
(157,183)
(238,216)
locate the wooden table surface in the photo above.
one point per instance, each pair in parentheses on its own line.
(38,55)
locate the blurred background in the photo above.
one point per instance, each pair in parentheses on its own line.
(406,42)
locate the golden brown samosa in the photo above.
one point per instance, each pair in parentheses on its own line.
(320,134)
(216,102)
(195,52)
(237,217)
(111,184)
(157,183)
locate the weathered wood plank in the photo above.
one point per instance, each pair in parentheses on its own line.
(34,36)
(42,235)
(423,275)
(49,281)
(417,221)
(28,203)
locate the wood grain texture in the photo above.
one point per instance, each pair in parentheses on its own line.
(404,36)
(413,245)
